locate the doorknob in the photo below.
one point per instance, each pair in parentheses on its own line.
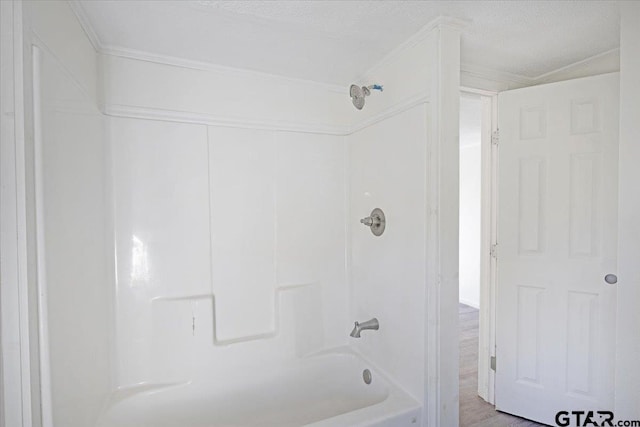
(611,279)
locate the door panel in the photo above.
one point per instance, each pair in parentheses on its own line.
(557,236)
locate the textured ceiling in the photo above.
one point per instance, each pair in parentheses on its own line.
(336,41)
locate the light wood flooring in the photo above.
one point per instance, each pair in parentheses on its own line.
(475,412)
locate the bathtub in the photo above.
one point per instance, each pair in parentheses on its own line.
(326,390)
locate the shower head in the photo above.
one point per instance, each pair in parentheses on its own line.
(358,94)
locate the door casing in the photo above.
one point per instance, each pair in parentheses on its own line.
(488,236)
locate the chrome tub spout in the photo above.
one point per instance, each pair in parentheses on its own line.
(369,324)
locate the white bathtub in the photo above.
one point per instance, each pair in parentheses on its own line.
(321,391)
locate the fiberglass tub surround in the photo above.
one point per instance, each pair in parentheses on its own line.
(199,345)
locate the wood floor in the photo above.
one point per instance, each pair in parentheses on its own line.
(475,412)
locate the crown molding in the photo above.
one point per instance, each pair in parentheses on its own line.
(501,80)
(587,62)
(400,107)
(495,79)
(103,49)
(418,37)
(485,73)
(147,113)
(206,66)
(85,23)
(448,21)
(474,91)
(38,41)
(128,111)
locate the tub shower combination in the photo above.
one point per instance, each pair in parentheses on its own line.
(198,271)
(329,388)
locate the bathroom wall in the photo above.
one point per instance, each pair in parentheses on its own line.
(403,157)
(73,258)
(55,25)
(135,87)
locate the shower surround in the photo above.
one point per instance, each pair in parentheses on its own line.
(199,245)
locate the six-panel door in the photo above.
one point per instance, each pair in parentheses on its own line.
(557,235)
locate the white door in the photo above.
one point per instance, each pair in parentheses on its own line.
(557,236)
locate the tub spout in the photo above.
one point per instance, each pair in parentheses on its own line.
(369,324)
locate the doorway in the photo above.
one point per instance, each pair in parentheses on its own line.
(477,238)
(558,230)
(475,116)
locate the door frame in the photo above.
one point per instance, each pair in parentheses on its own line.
(15,366)
(488,241)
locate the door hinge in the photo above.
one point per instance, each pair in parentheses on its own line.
(495,137)
(494,251)
(493,363)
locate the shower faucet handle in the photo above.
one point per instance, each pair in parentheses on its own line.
(376,221)
(368,221)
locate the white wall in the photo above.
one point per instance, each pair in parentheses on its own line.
(404,159)
(628,340)
(74,262)
(235,97)
(77,259)
(56,26)
(470,202)
(442,254)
